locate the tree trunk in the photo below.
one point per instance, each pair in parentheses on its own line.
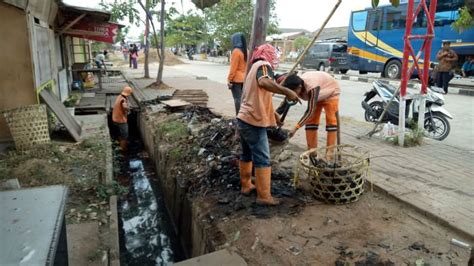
(147,43)
(259,26)
(162,43)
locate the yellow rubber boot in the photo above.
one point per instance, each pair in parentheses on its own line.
(245,177)
(312,139)
(331,141)
(263,182)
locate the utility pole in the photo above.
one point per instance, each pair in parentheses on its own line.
(261,14)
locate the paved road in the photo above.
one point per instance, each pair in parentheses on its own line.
(462,107)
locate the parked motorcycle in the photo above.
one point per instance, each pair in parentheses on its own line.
(436,116)
(190,53)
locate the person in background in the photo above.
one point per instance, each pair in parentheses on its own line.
(100,58)
(120,116)
(446,57)
(125,52)
(238,68)
(256,114)
(328,99)
(468,67)
(134,56)
(130,49)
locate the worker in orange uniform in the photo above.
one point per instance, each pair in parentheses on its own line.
(328,99)
(119,116)
(238,68)
(256,114)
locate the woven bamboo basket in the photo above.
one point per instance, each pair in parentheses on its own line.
(337,182)
(28,125)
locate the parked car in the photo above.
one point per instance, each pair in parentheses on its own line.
(326,54)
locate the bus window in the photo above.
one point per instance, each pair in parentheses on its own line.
(359,20)
(394,18)
(374,20)
(446,13)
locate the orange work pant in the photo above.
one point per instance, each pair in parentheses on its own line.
(330,106)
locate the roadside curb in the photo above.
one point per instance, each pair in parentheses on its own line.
(412,84)
(114,252)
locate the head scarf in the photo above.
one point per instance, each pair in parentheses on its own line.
(238,41)
(267,53)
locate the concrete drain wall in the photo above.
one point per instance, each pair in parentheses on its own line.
(184,213)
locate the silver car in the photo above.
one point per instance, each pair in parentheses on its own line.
(326,54)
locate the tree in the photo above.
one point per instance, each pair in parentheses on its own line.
(301,42)
(229,16)
(124,9)
(464,21)
(186,29)
(127,9)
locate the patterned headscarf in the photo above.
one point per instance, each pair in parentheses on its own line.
(265,52)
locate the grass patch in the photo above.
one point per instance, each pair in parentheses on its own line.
(175,153)
(105,191)
(412,138)
(172,131)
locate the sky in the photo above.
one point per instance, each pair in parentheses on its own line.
(305,14)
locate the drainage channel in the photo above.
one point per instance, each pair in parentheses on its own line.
(147,236)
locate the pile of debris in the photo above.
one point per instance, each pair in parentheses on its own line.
(210,157)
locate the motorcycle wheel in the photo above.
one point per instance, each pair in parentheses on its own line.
(377,107)
(437,127)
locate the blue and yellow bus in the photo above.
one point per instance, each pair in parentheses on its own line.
(375,38)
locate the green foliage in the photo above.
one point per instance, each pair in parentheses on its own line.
(375,3)
(122,10)
(127,10)
(301,42)
(201,4)
(175,153)
(105,191)
(71,101)
(464,21)
(189,29)
(395,3)
(230,16)
(172,131)
(100,46)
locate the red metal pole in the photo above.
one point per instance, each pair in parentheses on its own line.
(406,49)
(428,43)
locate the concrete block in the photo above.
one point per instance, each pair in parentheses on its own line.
(10,184)
(114,230)
(84,244)
(217,258)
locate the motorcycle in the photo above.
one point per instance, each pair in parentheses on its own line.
(436,122)
(190,53)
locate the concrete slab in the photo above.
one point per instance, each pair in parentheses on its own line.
(92,124)
(84,244)
(114,232)
(222,257)
(30,225)
(63,114)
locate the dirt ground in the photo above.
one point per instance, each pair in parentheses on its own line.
(81,167)
(376,230)
(170,58)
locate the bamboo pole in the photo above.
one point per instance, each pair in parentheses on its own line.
(310,44)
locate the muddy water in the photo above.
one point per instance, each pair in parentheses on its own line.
(147,235)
